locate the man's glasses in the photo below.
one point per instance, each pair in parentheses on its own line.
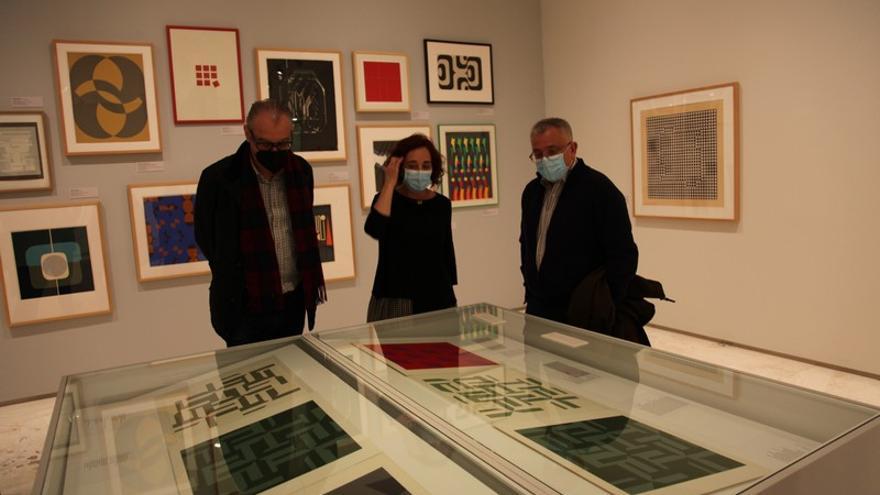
(552,150)
(264,145)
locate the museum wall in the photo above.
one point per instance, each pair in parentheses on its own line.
(798,272)
(157,320)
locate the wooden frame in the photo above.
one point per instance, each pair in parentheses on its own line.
(471,177)
(381,81)
(312,90)
(374,142)
(169,216)
(685,147)
(52,263)
(25,163)
(332,207)
(107,95)
(205,65)
(457,72)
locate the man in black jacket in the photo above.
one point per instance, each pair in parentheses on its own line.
(574,220)
(255,224)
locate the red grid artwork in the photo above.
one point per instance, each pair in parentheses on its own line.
(382,82)
(206,75)
(429,355)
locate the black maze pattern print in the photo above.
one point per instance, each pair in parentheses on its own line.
(243,392)
(378,482)
(498,399)
(683,155)
(630,455)
(267,453)
(460,72)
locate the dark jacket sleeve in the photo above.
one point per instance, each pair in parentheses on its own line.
(205,210)
(376,223)
(450,250)
(621,252)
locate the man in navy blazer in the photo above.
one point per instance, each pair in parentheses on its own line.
(574,220)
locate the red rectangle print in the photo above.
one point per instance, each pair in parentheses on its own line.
(382,81)
(428,355)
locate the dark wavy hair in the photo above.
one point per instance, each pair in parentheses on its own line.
(415,142)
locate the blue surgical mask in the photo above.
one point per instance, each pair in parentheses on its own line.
(417,180)
(552,168)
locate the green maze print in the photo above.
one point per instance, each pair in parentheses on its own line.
(630,455)
(267,453)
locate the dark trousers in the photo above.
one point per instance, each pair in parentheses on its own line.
(273,325)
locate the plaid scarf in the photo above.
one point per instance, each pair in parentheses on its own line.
(261,274)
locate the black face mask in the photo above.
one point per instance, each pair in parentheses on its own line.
(273,160)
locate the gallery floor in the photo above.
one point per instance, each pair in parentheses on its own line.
(23,426)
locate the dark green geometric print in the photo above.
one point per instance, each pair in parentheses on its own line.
(630,455)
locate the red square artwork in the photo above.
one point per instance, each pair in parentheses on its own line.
(206,75)
(428,355)
(382,81)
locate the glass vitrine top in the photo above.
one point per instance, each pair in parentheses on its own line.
(268,418)
(580,412)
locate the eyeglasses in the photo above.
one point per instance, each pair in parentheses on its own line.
(552,150)
(264,145)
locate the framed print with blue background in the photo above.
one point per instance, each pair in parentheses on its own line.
(332,207)
(205,74)
(686,153)
(107,93)
(374,145)
(471,177)
(309,83)
(163,231)
(24,154)
(53,263)
(457,72)
(381,81)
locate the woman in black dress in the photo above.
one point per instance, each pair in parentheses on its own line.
(413,224)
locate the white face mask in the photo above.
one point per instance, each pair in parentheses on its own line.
(552,168)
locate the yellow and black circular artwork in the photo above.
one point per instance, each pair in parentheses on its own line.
(109,97)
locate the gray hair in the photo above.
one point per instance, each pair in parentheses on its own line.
(543,125)
(268,105)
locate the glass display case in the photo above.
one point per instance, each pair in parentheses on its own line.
(476,399)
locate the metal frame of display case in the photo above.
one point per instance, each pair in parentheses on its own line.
(846,432)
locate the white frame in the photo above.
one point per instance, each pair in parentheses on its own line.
(361,103)
(367,134)
(72,146)
(262,57)
(339,199)
(146,272)
(60,307)
(35,184)
(442,130)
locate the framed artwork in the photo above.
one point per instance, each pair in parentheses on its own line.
(24,154)
(309,83)
(163,231)
(332,207)
(205,74)
(471,177)
(457,72)
(375,143)
(53,264)
(108,98)
(685,148)
(381,82)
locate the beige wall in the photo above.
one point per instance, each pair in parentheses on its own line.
(157,320)
(799,272)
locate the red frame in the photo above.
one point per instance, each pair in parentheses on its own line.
(171,70)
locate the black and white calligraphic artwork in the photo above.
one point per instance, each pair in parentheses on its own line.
(459,72)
